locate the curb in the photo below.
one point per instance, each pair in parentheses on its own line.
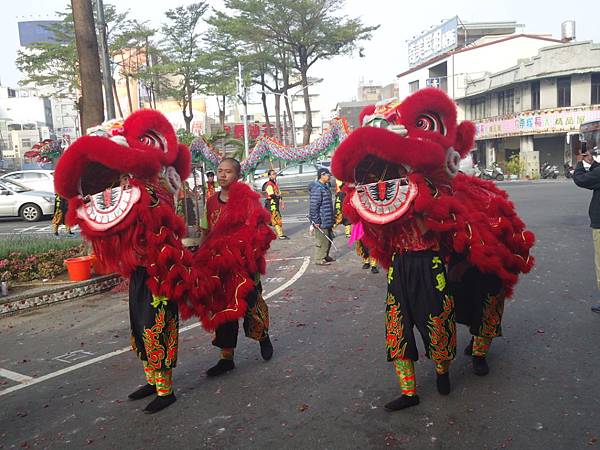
(26,301)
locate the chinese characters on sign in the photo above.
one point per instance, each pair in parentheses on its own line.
(564,120)
(434,42)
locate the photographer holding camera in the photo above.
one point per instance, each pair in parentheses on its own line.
(590,179)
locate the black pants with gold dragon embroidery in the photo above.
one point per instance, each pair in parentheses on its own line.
(479,302)
(418,297)
(154,324)
(256,321)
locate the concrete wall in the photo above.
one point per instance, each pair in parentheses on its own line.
(581,89)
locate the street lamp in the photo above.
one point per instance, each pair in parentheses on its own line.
(290,98)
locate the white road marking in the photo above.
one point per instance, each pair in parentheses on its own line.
(274,279)
(296,218)
(70,357)
(18,377)
(292,280)
(31,381)
(286,259)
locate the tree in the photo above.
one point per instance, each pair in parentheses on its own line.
(268,64)
(91,103)
(219,68)
(182,55)
(132,51)
(306,30)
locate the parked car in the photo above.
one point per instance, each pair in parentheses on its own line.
(36,179)
(297,176)
(17,200)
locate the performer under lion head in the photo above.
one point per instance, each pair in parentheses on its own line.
(121,183)
(418,215)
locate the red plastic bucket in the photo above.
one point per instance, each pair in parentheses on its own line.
(79,268)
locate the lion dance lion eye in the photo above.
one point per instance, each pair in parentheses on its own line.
(430,122)
(153,139)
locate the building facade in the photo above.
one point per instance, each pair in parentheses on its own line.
(534,108)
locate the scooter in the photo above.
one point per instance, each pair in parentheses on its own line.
(493,173)
(549,171)
(569,170)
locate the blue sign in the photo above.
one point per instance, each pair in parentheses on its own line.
(435,42)
(433,82)
(35,31)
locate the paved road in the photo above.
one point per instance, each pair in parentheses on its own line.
(327,383)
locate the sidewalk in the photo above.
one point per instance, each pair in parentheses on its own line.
(35,295)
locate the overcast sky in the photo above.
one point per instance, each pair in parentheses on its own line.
(385,54)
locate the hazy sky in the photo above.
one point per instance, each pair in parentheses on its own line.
(385,54)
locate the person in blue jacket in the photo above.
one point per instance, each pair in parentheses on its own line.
(322,216)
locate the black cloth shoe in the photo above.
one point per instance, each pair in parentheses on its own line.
(374,269)
(405,401)
(480,366)
(266,349)
(224,365)
(596,308)
(366,265)
(443,383)
(144,391)
(329,259)
(160,402)
(469,348)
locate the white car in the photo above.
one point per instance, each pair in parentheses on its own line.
(17,200)
(36,179)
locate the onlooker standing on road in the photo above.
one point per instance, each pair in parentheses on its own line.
(321,216)
(591,180)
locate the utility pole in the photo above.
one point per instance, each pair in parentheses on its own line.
(105,61)
(91,104)
(243,96)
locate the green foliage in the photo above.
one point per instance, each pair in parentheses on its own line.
(26,258)
(181,53)
(185,137)
(514,165)
(296,32)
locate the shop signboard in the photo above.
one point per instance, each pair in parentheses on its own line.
(557,120)
(433,42)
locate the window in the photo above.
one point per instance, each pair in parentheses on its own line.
(595,88)
(309,168)
(26,143)
(506,103)
(563,91)
(535,95)
(413,86)
(292,170)
(32,176)
(478,108)
(11,93)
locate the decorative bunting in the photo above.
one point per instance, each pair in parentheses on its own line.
(267,147)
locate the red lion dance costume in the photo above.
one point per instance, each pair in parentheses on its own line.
(121,183)
(423,219)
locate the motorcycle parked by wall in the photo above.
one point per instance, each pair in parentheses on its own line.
(549,171)
(569,170)
(494,172)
